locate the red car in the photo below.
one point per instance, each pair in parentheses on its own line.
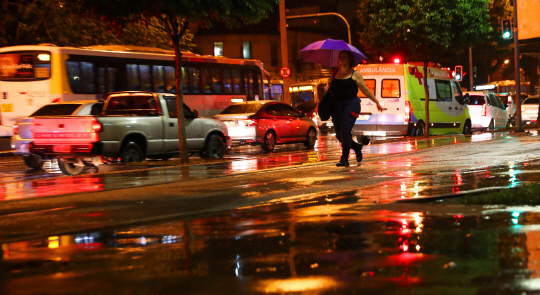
(267,123)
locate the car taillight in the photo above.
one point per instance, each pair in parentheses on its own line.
(96,126)
(407,111)
(483,109)
(56,100)
(15,129)
(250,122)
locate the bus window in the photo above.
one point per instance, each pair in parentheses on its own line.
(144,71)
(158,78)
(237,81)
(111,79)
(80,76)
(170,82)
(102,88)
(194,80)
(216,79)
(370,83)
(227,80)
(390,88)
(206,80)
(133,77)
(248,80)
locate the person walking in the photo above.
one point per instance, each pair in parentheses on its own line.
(346,106)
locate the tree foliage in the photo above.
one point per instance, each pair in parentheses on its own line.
(49,21)
(174,17)
(423,30)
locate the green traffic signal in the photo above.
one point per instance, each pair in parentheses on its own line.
(506,28)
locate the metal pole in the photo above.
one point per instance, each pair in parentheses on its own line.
(284,52)
(518,78)
(322,14)
(471,73)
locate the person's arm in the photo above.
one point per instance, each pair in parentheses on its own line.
(365,90)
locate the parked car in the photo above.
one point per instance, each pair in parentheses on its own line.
(267,123)
(487,110)
(509,101)
(529,109)
(132,126)
(22,129)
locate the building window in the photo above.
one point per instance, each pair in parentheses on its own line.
(273,54)
(218,48)
(246,50)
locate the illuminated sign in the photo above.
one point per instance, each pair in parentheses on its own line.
(485,87)
(13,66)
(237,100)
(301,88)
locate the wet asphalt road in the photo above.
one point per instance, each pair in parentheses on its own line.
(300,226)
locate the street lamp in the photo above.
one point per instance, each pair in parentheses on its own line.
(323,14)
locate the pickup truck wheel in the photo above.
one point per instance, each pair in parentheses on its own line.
(70,168)
(131,153)
(33,161)
(214,148)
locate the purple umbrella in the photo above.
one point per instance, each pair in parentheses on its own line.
(326,52)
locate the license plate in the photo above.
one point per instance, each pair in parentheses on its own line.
(329,124)
(363,117)
(62,148)
(230,123)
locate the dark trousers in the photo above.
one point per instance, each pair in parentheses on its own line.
(344,120)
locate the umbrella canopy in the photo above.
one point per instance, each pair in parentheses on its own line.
(326,52)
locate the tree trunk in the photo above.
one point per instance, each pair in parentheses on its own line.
(182,142)
(426,92)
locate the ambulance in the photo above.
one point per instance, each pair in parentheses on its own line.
(400,88)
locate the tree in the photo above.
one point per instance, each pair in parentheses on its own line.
(423,29)
(49,21)
(174,17)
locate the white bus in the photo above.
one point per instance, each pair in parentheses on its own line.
(36,75)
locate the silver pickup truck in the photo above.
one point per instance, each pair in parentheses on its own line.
(126,126)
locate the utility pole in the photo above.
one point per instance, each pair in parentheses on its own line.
(471,73)
(519,123)
(284,52)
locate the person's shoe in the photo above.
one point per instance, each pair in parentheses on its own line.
(343,163)
(358,152)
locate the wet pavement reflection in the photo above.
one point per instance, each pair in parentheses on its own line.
(333,244)
(49,182)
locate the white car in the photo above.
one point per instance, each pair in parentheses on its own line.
(22,133)
(529,109)
(487,110)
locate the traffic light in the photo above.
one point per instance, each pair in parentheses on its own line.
(506,29)
(459,72)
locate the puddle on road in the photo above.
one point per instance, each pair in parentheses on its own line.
(334,244)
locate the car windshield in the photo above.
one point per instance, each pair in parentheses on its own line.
(531,100)
(56,110)
(476,100)
(242,108)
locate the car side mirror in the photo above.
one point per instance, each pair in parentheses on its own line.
(196,113)
(466,98)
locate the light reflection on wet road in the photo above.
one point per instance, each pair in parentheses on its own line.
(334,244)
(241,160)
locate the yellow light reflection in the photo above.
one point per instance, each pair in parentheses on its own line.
(296,285)
(54,242)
